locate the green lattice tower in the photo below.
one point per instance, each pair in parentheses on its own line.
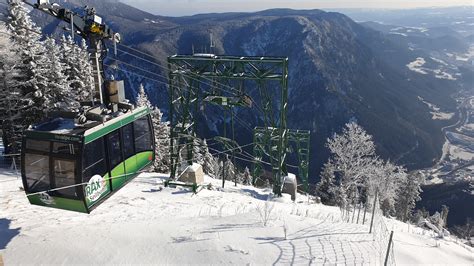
(183,96)
(301,139)
(221,69)
(266,148)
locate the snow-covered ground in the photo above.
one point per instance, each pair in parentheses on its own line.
(436,112)
(419,66)
(147,223)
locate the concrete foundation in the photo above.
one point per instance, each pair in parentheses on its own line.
(290,185)
(193,174)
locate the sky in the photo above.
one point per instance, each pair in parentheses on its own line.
(191,7)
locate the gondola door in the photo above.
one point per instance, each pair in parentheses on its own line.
(128,145)
(95,174)
(116,163)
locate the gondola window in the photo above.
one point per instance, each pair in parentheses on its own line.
(64,174)
(37,167)
(94,162)
(115,151)
(128,145)
(142,130)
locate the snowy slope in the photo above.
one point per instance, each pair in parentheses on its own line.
(146,223)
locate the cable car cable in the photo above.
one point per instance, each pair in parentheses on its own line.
(73,44)
(133,49)
(199,80)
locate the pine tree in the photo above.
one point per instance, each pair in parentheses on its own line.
(219,169)
(11,102)
(408,195)
(162,141)
(229,169)
(161,130)
(209,162)
(58,95)
(239,177)
(142,98)
(444,216)
(326,188)
(198,151)
(246,177)
(465,231)
(34,64)
(78,68)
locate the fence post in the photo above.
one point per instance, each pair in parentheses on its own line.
(358,213)
(388,248)
(365,211)
(373,213)
(353,214)
(15,167)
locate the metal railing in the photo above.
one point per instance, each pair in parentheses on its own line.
(10,163)
(370,214)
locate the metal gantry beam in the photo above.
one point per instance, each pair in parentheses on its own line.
(204,76)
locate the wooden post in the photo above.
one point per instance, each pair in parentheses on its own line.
(388,248)
(373,213)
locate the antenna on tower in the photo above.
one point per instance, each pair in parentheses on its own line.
(212,44)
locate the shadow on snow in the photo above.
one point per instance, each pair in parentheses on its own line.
(7,233)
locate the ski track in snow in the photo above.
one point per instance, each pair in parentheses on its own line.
(146,223)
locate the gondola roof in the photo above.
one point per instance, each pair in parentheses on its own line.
(66,129)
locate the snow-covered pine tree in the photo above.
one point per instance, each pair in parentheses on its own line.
(142,98)
(161,130)
(162,141)
(209,162)
(229,169)
(84,73)
(465,231)
(218,167)
(444,215)
(326,188)
(198,151)
(239,177)
(58,95)
(408,195)
(11,101)
(78,68)
(246,177)
(34,64)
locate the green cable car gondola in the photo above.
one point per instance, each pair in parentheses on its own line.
(75,167)
(76,160)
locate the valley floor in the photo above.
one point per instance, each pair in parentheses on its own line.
(147,223)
